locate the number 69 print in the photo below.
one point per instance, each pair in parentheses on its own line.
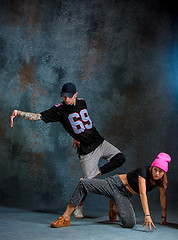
(79,126)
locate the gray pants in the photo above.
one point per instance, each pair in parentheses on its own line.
(113,188)
(90,161)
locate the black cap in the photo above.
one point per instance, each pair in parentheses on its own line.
(68,90)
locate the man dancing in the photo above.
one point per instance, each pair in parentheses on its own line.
(91,146)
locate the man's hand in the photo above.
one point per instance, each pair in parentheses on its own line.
(148,221)
(14,114)
(75,143)
(25,115)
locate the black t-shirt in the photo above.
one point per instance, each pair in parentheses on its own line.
(132,178)
(76,121)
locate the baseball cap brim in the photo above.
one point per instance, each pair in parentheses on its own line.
(70,95)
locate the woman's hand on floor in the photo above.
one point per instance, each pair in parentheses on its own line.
(148,222)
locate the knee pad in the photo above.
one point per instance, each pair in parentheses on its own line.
(118,159)
(114,163)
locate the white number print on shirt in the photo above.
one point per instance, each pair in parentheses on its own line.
(78,125)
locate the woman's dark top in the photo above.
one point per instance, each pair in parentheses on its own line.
(132,178)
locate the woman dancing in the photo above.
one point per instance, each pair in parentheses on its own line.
(120,188)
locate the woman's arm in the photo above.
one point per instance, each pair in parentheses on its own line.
(144,201)
(26,115)
(163,202)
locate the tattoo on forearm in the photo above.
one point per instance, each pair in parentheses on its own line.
(29,116)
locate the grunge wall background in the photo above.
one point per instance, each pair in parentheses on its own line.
(123,57)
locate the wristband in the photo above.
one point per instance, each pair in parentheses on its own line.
(147,215)
(163,217)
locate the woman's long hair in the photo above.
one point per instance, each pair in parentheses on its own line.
(162,181)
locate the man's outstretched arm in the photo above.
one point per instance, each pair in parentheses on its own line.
(26,115)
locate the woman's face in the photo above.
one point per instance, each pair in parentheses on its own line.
(157,173)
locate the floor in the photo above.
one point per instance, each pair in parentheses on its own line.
(20,224)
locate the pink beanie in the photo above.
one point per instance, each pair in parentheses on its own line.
(162,161)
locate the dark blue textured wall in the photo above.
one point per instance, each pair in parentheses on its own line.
(123,57)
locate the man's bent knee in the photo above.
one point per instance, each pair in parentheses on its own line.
(115,162)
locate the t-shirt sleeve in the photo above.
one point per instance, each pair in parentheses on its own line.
(143,172)
(51,115)
(85,105)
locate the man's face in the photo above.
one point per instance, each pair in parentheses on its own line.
(70,101)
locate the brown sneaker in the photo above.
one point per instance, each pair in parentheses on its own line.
(112,211)
(61,222)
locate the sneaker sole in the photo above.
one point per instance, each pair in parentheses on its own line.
(60,225)
(79,217)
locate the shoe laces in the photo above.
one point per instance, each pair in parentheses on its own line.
(62,220)
(80,208)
